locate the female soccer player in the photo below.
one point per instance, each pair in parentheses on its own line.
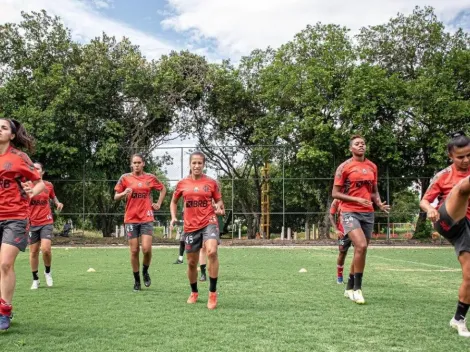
(200,223)
(356,187)
(344,243)
(451,219)
(136,187)
(40,232)
(19,181)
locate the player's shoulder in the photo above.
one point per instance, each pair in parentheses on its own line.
(371,164)
(211,180)
(442,174)
(344,166)
(48,184)
(184,180)
(18,154)
(124,176)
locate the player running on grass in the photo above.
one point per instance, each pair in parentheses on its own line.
(343,241)
(19,181)
(200,223)
(136,187)
(356,187)
(451,219)
(41,229)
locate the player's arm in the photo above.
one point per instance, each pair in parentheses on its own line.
(425,203)
(219,207)
(375,196)
(333,222)
(173,208)
(158,204)
(33,188)
(58,204)
(337,194)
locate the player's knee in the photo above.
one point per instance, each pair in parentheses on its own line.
(211,253)
(34,253)
(147,250)
(6,267)
(192,262)
(135,252)
(46,252)
(361,248)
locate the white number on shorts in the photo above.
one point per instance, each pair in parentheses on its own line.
(189,239)
(129,228)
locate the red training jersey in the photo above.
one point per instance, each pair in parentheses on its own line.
(357,179)
(442,183)
(15,167)
(139,202)
(335,208)
(40,206)
(198,195)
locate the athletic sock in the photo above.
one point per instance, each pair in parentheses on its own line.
(137,276)
(350,284)
(339,269)
(462,309)
(181,250)
(48,269)
(212,284)
(35,275)
(194,287)
(357,281)
(145,269)
(203,269)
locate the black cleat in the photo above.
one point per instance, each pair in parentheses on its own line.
(147,281)
(203,277)
(136,286)
(178,262)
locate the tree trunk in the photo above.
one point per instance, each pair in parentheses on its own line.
(324,225)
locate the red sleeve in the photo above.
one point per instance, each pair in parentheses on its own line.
(156,184)
(51,191)
(27,169)
(340,176)
(178,191)
(334,207)
(433,190)
(121,185)
(216,195)
(376,175)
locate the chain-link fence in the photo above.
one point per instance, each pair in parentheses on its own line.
(299,196)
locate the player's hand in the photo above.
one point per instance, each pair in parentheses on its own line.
(127,191)
(219,210)
(172,223)
(433,215)
(59,206)
(339,234)
(28,188)
(156,206)
(384,207)
(363,201)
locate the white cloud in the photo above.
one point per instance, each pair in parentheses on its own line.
(240,26)
(86,22)
(102,4)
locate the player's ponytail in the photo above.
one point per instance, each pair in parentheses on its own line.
(459,140)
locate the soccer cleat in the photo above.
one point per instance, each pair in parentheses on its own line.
(49,281)
(349,294)
(203,277)
(178,261)
(136,286)
(4,322)
(460,326)
(339,280)
(193,298)
(358,297)
(35,285)
(147,281)
(212,302)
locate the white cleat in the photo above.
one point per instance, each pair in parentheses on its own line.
(460,326)
(35,285)
(349,294)
(49,281)
(358,297)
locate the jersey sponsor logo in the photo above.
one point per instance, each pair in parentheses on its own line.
(139,195)
(196,189)
(5,183)
(359,184)
(139,184)
(196,203)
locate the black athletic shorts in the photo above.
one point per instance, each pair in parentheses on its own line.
(15,233)
(195,240)
(457,233)
(344,243)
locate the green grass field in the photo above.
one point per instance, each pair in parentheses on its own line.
(265,304)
